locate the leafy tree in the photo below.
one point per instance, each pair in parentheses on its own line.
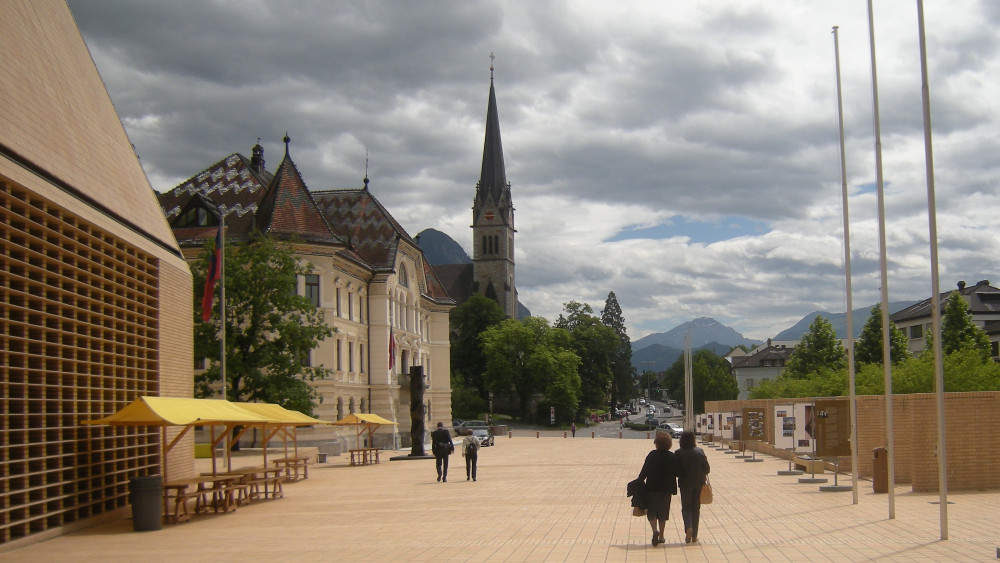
(964,370)
(818,349)
(526,357)
(466,403)
(468,321)
(595,344)
(958,331)
(710,375)
(868,348)
(621,360)
(822,382)
(269,327)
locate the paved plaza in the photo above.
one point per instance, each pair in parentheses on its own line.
(548,499)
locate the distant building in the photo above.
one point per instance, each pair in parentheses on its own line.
(97,298)
(367,274)
(492,270)
(984,305)
(762,364)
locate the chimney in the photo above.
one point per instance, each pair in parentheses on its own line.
(961,285)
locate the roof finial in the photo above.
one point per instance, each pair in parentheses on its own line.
(366,169)
(492,58)
(286,140)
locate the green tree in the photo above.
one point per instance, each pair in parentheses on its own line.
(868,348)
(468,321)
(270,329)
(822,382)
(818,349)
(595,344)
(964,370)
(622,371)
(958,331)
(710,375)
(525,357)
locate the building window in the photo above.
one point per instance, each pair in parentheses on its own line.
(350,356)
(304,357)
(339,363)
(750,383)
(337,305)
(200,363)
(361,356)
(404,279)
(312,289)
(916,332)
(196,217)
(350,305)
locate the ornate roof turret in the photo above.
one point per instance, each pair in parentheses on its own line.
(493,178)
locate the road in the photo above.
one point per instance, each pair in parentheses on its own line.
(611,429)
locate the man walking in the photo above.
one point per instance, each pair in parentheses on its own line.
(441,447)
(470,449)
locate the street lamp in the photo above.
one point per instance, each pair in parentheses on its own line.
(646,372)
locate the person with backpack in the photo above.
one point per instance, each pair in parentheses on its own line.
(470,449)
(441,447)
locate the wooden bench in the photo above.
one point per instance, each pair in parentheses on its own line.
(809,465)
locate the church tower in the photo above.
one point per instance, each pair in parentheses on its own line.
(493,220)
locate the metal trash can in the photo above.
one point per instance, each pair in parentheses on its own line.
(146,496)
(880,470)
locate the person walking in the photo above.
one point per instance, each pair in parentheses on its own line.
(441,447)
(694,468)
(659,472)
(470,449)
(572,428)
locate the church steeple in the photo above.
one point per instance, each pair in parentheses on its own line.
(493,219)
(493,177)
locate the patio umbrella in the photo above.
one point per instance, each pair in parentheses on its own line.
(364,422)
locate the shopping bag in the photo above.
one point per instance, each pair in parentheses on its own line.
(706,492)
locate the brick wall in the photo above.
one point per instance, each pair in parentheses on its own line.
(972,459)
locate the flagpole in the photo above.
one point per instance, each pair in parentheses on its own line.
(935,289)
(688,385)
(847,277)
(886,357)
(222,321)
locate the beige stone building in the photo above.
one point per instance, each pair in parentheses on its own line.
(368,275)
(96,297)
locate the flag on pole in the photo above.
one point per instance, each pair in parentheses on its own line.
(211,277)
(392,350)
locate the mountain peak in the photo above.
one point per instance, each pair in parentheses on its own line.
(704,330)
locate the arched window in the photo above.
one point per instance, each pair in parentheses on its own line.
(352,406)
(404,279)
(340,408)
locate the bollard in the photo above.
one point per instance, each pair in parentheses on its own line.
(647,435)
(537,434)
(591,433)
(510,433)
(619,435)
(564,434)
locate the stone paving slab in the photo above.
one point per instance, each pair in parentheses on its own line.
(549,499)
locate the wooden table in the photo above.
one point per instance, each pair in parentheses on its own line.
(364,456)
(293,463)
(269,477)
(223,489)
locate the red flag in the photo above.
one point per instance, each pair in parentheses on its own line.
(392,350)
(212,276)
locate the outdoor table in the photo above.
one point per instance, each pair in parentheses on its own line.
(364,456)
(254,477)
(221,487)
(290,463)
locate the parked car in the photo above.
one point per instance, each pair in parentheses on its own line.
(466,426)
(671,428)
(484,435)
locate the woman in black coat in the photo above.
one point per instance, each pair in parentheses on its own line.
(660,474)
(693,470)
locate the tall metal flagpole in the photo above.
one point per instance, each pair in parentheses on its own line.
(847,276)
(688,385)
(886,359)
(222,325)
(935,289)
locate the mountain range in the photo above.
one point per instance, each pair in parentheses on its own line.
(658,351)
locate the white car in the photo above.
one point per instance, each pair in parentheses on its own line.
(484,436)
(671,428)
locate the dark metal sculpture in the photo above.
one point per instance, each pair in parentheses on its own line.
(417,412)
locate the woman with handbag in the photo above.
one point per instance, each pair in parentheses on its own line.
(659,472)
(693,473)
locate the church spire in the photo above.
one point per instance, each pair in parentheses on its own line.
(493,178)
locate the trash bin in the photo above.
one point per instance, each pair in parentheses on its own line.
(146,496)
(880,470)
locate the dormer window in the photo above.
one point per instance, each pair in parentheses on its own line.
(196,217)
(403,278)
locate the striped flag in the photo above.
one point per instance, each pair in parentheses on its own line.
(392,350)
(211,277)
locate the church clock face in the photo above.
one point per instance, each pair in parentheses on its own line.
(489,216)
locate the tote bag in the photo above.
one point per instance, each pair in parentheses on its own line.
(706,492)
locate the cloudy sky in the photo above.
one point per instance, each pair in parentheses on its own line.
(684,155)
